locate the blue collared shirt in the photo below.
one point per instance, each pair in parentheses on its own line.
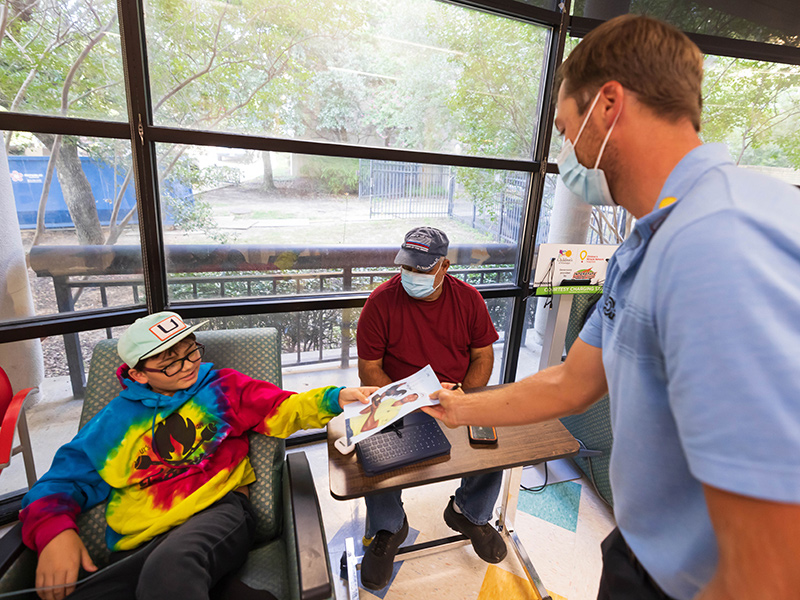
(700,331)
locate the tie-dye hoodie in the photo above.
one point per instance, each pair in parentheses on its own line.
(199,455)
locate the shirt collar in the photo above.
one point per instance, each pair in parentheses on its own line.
(689,169)
(680,181)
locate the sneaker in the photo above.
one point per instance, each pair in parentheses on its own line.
(486,540)
(378,562)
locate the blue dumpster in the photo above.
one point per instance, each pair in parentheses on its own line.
(27,181)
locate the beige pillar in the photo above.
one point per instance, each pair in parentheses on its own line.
(569,224)
(22,361)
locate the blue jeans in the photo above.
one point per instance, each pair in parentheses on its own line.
(475,498)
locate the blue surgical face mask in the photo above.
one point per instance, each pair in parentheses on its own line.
(419,285)
(589,185)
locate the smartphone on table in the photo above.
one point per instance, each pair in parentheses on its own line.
(482,435)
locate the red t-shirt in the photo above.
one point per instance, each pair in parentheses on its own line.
(409,334)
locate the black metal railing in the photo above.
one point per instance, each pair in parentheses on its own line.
(206,272)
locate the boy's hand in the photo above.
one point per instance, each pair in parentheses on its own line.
(447,409)
(355,394)
(60,562)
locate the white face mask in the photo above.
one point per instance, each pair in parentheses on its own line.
(589,185)
(419,285)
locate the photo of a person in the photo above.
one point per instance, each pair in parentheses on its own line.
(390,403)
(382,409)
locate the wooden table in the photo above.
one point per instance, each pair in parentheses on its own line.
(516,446)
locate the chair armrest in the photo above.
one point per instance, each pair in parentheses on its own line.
(305,519)
(9,426)
(11,547)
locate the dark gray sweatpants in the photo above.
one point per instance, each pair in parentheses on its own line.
(185,562)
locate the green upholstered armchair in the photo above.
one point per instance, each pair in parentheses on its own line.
(593,426)
(290,558)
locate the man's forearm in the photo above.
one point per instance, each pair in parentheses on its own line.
(538,398)
(374,375)
(478,373)
(549,394)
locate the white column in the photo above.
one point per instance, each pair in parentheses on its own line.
(22,361)
(569,224)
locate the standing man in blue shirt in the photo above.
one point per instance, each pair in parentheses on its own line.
(698,336)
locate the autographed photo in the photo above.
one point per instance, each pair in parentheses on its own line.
(390,403)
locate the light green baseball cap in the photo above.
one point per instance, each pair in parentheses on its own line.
(152,335)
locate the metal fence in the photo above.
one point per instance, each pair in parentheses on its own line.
(512,202)
(401,189)
(199,272)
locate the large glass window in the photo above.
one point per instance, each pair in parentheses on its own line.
(754,108)
(774,22)
(415,74)
(500,311)
(270,224)
(530,348)
(418,75)
(74,200)
(62,58)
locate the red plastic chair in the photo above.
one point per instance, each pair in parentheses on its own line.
(12,411)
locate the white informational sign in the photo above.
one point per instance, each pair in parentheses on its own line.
(571,268)
(390,403)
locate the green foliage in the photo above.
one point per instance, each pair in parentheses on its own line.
(484,187)
(500,313)
(495,99)
(192,213)
(379,86)
(754,108)
(336,175)
(499,63)
(44,40)
(414,74)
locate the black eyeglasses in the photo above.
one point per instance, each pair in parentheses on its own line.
(176,367)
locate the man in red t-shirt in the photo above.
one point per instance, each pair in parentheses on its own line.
(425,316)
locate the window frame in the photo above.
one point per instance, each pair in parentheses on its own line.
(144,136)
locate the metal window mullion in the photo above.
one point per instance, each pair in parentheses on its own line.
(713,44)
(196,137)
(533,205)
(16,121)
(512,9)
(145,170)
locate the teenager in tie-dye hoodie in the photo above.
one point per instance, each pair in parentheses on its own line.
(173,443)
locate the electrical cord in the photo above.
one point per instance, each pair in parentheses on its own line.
(591,475)
(546,278)
(539,488)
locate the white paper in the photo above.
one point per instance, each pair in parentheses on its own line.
(390,403)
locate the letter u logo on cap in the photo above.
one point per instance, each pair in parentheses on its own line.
(165,329)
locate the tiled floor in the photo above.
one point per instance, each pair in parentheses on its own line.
(561,529)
